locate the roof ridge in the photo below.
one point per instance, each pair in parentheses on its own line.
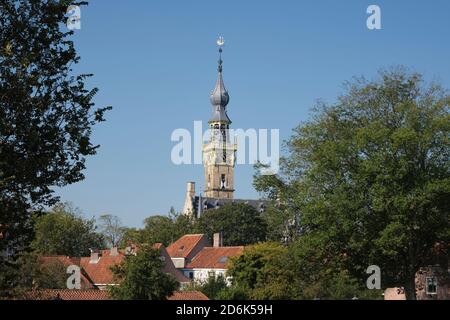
(224,247)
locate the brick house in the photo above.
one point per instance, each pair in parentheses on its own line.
(96,270)
(433,283)
(198,261)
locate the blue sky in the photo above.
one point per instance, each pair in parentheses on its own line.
(155,63)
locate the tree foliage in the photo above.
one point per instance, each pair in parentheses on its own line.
(112,229)
(140,277)
(240,224)
(262,272)
(46,115)
(370,177)
(212,287)
(161,229)
(63,231)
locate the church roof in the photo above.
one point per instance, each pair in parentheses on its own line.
(219,98)
(202,204)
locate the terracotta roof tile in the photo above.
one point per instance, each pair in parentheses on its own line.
(100,273)
(66,294)
(169,266)
(214,257)
(187,246)
(188,295)
(86,281)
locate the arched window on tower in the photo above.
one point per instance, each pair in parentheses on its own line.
(216,131)
(223,131)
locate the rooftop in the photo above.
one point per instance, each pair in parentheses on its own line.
(214,257)
(184,246)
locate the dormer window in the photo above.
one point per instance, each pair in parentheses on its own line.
(223,259)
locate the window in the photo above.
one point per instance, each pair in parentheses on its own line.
(222,182)
(211,274)
(431,283)
(191,275)
(223,259)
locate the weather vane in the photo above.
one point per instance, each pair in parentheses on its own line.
(220,41)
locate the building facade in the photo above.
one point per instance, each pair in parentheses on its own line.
(198,260)
(219,159)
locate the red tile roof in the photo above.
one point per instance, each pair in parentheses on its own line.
(100,273)
(188,295)
(168,265)
(187,246)
(214,257)
(86,281)
(66,294)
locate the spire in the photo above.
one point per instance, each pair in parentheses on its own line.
(219,96)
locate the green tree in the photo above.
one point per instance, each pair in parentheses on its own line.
(370,177)
(33,273)
(241,224)
(140,277)
(233,293)
(315,273)
(262,272)
(46,116)
(212,287)
(133,235)
(162,229)
(112,229)
(63,231)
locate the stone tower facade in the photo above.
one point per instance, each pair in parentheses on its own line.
(219,154)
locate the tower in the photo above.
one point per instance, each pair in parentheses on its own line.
(219,153)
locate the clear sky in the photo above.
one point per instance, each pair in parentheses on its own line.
(155,63)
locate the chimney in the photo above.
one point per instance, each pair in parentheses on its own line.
(95,256)
(217,240)
(114,252)
(190,189)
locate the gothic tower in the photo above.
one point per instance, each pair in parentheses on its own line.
(219,153)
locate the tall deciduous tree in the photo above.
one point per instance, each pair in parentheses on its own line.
(46,114)
(262,272)
(240,224)
(370,176)
(63,231)
(112,229)
(140,277)
(161,229)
